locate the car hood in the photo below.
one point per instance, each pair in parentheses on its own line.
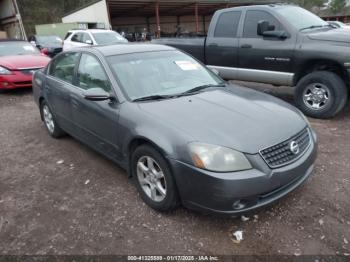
(24,61)
(335,35)
(239,118)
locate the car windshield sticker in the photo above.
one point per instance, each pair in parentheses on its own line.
(187,65)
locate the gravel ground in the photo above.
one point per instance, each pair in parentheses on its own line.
(60,197)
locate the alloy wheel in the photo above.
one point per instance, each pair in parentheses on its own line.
(151,178)
(50,124)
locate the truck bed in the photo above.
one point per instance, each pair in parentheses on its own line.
(193,46)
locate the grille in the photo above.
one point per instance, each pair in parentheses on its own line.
(281,154)
(23,83)
(29,71)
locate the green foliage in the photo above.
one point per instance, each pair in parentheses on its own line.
(308,4)
(36,12)
(337,5)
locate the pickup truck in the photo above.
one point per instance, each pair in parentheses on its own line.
(281,45)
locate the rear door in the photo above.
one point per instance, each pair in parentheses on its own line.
(59,85)
(265,59)
(96,121)
(222,42)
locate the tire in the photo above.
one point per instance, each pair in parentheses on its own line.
(49,120)
(323,86)
(145,154)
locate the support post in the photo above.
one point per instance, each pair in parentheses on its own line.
(204,26)
(196,17)
(158,20)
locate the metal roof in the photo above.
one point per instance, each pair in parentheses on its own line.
(123,8)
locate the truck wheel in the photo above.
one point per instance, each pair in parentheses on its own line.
(321,94)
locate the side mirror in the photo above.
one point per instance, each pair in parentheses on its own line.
(263,26)
(276,34)
(96,94)
(265,29)
(89,42)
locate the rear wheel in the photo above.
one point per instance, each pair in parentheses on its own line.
(49,121)
(321,94)
(153,178)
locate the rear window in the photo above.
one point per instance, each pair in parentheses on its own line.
(103,38)
(227,24)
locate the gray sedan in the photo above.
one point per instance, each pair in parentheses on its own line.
(182,133)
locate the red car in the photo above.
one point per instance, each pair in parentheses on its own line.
(18,61)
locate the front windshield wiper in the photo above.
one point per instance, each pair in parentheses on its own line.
(152,97)
(314,26)
(202,87)
(188,92)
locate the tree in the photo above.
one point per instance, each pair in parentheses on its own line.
(337,5)
(309,4)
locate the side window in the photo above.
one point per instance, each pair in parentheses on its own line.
(91,74)
(77,37)
(67,35)
(227,24)
(86,37)
(252,19)
(63,67)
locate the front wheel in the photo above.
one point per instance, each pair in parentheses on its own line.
(321,94)
(153,179)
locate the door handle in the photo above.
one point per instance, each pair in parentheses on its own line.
(246,46)
(213,45)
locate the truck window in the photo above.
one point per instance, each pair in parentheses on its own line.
(252,19)
(227,24)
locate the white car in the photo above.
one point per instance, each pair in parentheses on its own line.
(78,38)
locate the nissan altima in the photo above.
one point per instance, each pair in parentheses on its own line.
(183,134)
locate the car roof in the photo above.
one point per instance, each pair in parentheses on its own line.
(121,49)
(90,30)
(261,7)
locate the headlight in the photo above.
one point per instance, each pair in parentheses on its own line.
(217,158)
(4,71)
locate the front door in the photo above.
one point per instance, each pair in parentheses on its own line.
(264,59)
(96,121)
(58,86)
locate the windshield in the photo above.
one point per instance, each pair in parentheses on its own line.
(301,18)
(108,38)
(17,48)
(49,40)
(160,73)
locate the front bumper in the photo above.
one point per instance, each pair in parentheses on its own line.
(16,80)
(240,192)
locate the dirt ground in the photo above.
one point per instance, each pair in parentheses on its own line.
(60,197)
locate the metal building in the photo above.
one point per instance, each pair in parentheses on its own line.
(11,25)
(160,17)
